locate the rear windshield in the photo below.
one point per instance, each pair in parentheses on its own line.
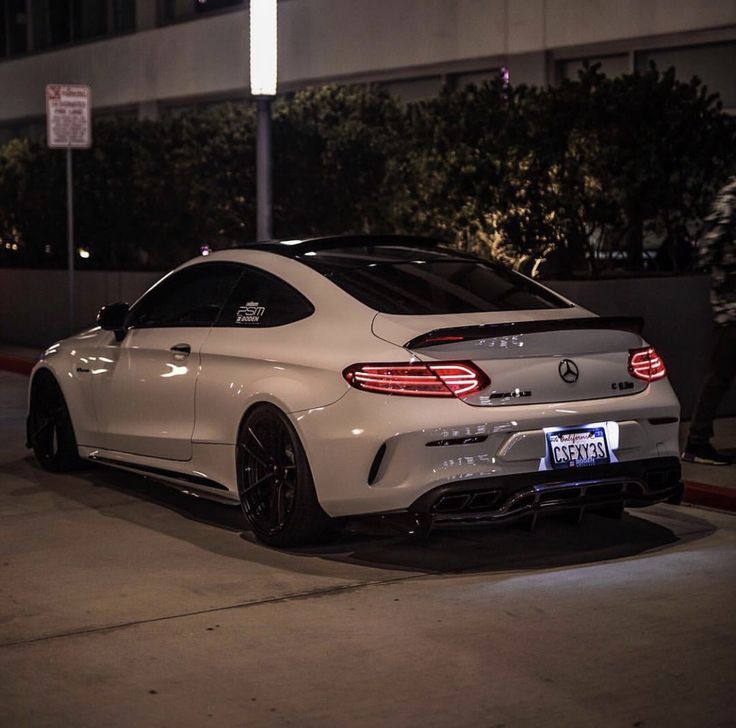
(410,281)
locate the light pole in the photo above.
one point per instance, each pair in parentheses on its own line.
(263,74)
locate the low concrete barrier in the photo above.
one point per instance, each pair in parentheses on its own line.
(676,310)
(678,319)
(33,303)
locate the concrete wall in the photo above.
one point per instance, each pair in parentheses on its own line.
(676,310)
(337,39)
(678,320)
(33,303)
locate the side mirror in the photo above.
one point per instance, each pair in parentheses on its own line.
(112,318)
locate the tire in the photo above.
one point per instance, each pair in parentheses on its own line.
(50,429)
(275,483)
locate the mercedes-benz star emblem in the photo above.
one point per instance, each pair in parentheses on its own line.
(569,371)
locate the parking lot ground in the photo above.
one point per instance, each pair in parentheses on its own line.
(123,603)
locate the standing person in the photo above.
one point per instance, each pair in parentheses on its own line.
(718,254)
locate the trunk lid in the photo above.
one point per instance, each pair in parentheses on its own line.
(531,357)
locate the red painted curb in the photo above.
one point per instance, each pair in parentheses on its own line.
(712,496)
(16,364)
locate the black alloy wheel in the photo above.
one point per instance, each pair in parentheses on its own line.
(50,430)
(275,483)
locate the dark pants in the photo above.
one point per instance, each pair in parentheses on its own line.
(718,379)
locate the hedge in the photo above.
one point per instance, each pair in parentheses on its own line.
(583,176)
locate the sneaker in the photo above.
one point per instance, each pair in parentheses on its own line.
(704,454)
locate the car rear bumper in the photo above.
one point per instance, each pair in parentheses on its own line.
(502,500)
(371,453)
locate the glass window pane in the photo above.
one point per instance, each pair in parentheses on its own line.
(415,89)
(714,64)
(123,15)
(190,297)
(51,22)
(17,26)
(610,65)
(3,30)
(208,5)
(410,281)
(89,18)
(477,78)
(261,300)
(174,9)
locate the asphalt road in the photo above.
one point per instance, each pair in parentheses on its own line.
(123,603)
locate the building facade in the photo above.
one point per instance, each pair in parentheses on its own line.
(148,58)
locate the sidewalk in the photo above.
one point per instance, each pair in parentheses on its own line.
(708,485)
(705,485)
(18,359)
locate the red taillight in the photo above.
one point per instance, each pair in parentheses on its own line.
(442,379)
(646,364)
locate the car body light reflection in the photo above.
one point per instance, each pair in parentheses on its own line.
(90,334)
(466,431)
(176,371)
(466,461)
(309,412)
(99,371)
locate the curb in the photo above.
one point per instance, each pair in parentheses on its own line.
(16,365)
(711,496)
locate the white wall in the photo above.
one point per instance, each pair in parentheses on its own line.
(326,39)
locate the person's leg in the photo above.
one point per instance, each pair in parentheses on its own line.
(718,379)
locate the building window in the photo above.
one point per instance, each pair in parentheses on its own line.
(616,65)
(476,78)
(415,89)
(16,26)
(713,64)
(31,25)
(172,10)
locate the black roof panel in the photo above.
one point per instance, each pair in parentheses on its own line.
(298,247)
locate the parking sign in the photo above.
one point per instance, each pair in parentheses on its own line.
(68,116)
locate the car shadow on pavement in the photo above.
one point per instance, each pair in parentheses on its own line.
(555,542)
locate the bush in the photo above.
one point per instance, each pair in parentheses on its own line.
(582,175)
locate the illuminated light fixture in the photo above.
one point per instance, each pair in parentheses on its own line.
(263,47)
(83,253)
(205,250)
(440,379)
(646,364)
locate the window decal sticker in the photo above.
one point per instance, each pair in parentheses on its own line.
(250,313)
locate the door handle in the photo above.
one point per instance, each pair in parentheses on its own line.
(181,349)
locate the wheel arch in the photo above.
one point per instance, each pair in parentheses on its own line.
(39,374)
(268,402)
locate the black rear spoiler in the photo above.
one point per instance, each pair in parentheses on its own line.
(635,324)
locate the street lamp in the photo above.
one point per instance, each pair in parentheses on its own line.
(263,73)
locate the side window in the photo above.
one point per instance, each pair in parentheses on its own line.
(261,300)
(190,297)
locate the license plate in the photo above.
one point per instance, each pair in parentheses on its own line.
(578,448)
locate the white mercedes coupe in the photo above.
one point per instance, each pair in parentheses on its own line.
(310,380)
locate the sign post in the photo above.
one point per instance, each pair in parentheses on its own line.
(68,127)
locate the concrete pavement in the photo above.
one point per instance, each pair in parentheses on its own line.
(124,603)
